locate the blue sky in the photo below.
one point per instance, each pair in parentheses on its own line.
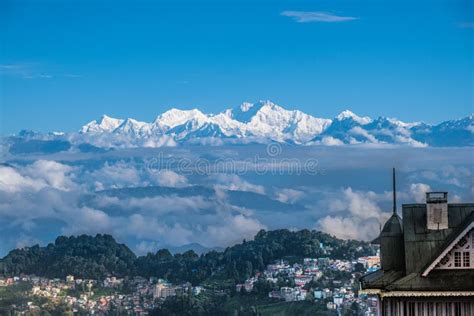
(64,63)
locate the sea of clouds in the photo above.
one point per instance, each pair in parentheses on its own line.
(218,196)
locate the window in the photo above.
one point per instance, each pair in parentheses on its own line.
(466,261)
(457,259)
(461,256)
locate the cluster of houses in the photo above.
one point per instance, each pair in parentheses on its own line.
(99,297)
(144,294)
(337,292)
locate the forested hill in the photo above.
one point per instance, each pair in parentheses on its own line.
(101,256)
(85,256)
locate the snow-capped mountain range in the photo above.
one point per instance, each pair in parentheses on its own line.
(260,121)
(264,122)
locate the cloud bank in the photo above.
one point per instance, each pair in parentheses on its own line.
(316,16)
(117,193)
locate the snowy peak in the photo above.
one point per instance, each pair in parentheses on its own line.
(175,117)
(463,123)
(346,114)
(246,106)
(269,120)
(132,127)
(104,124)
(246,111)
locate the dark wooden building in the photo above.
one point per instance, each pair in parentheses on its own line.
(427,260)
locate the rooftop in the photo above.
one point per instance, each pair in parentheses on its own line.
(421,248)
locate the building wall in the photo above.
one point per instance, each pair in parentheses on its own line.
(428,307)
(392,247)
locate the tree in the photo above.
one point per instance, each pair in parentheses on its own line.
(101,256)
(359,267)
(262,287)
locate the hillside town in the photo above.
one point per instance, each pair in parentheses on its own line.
(324,280)
(314,279)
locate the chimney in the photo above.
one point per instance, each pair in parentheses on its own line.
(437,210)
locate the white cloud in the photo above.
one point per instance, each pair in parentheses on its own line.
(211,227)
(130,174)
(87,220)
(410,141)
(458,176)
(358,203)
(289,195)
(144,247)
(118,175)
(418,191)
(357,130)
(32,71)
(233,182)
(151,228)
(361,216)
(53,173)
(456,199)
(331,141)
(429,174)
(454,181)
(233,230)
(156,142)
(169,178)
(316,16)
(38,175)
(349,227)
(12,181)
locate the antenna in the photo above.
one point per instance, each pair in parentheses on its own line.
(394,193)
